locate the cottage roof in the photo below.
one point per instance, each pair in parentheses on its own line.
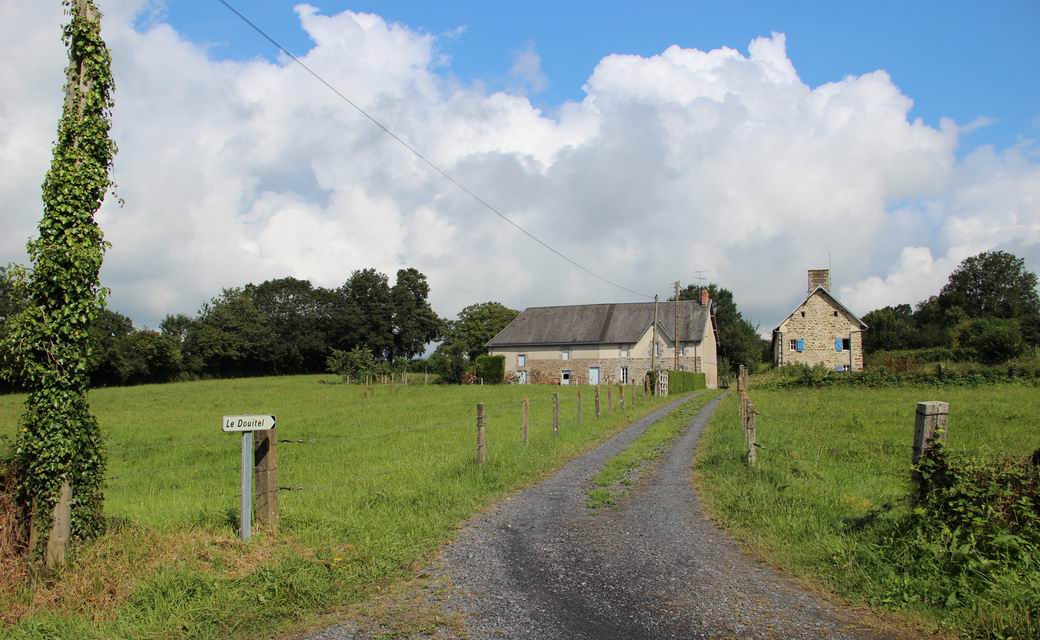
(830,296)
(618,323)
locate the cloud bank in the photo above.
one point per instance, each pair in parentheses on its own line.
(688,160)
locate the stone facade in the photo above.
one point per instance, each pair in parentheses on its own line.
(545,371)
(820,323)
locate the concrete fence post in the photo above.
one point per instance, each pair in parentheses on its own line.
(621,396)
(930,425)
(597,402)
(751,435)
(610,398)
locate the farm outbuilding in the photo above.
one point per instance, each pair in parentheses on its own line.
(820,331)
(608,343)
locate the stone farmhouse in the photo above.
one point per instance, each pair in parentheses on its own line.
(607,343)
(820,331)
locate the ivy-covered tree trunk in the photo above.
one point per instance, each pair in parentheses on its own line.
(59,439)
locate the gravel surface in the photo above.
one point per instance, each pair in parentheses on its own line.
(542,565)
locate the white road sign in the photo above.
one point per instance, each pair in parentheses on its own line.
(247,423)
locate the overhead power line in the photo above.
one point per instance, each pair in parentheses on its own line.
(422,157)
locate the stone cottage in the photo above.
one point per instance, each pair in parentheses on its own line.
(608,343)
(820,331)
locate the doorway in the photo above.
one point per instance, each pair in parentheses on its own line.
(593,375)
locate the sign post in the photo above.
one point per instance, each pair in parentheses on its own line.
(246,425)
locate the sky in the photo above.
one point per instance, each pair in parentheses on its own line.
(649,142)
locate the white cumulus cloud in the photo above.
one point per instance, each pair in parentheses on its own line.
(725,160)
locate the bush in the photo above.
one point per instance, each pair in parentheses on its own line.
(683,381)
(795,376)
(354,364)
(491,369)
(971,542)
(995,340)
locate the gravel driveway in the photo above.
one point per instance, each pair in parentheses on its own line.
(542,565)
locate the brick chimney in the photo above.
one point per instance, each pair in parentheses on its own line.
(705,297)
(819,278)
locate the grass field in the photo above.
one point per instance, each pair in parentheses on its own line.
(375,480)
(833,463)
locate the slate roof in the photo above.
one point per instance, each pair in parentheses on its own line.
(618,323)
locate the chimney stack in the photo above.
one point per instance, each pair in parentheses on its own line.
(819,278)
(705,296)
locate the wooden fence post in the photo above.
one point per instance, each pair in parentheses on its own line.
(579,406)
(481,441)
(740,379)
(265,463)
(597,402)
(524,404)
(930,425)
(752,436)
(556,413)
(621,396)
(610,398)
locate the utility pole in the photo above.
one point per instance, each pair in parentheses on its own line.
(675,346)
(653,346)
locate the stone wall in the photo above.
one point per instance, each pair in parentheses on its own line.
(548,371)
(819,322)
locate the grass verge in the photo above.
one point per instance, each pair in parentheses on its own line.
(827,497)
(623,469)
(374,478)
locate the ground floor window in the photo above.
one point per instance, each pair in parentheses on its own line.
(794,345)
(624,375)
(521,377)
(565,376)
(846,344)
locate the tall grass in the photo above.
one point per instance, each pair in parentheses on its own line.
(374,479)
(833,479)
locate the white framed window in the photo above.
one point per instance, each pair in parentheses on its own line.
(624,350)
(624,375)
(521,377)
(521,360)
(565,376)
(565,354)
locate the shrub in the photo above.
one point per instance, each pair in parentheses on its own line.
(491,369)
(355,363)
(995,340)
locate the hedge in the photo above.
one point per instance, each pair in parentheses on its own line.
(683,381)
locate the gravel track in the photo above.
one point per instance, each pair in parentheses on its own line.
(541,565)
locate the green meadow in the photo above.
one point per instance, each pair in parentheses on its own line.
(831,487)
(373,480)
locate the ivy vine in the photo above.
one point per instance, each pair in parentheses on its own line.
(58,437)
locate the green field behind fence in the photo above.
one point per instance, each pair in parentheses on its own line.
(834,463)
(373,479)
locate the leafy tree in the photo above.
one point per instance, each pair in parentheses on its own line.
(230,337)
(890,328)
(110,356)
(176,327)
(356,363)
(994,340)
(477,324)
(993,284)
(449,362)
(13,299)
(300,317)
(739,342)
(365,314)
(151,357)
(415,324)
(60,439)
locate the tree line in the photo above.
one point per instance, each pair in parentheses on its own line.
(988,311)
(285,326)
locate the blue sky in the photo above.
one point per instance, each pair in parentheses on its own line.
(959,60)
